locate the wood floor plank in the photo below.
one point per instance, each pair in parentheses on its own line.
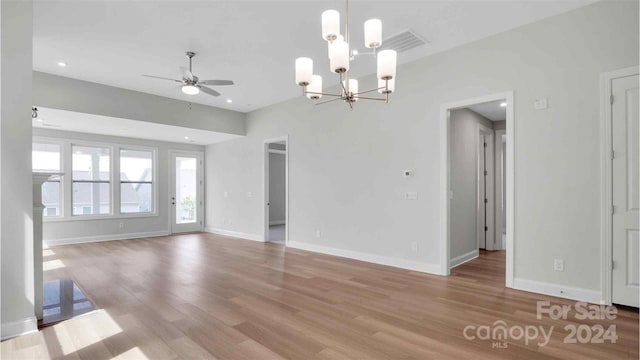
(203,296)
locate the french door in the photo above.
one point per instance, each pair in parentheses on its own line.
(186,191)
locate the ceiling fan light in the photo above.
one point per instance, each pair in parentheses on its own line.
(190,90)
(387,64)
(339,57)
(373,33)
(330,25)
(304,71)
(315,87)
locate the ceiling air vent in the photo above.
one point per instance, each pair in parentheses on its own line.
(403,41)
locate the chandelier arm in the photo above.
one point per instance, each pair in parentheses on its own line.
(328,101)
(321,93)
(368,91)
(342,84)
(370,98)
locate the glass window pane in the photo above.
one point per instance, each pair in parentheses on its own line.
(45,157)
(51,198)
(90,163)
(186,185)
(136,165)
(136,198)
(91,198)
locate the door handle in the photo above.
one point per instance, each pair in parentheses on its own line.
(268,204)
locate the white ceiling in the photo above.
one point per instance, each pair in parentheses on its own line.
(103,125)
(253,43)
(491,110)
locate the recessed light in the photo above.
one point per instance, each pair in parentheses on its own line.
(186,138)
(38,120)
(62,64)
(229,101)
(354,52)
(503,104)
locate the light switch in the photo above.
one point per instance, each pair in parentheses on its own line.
(540,104)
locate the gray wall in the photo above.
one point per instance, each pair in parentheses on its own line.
(346,166)
(276,188)
(499,125)
(464,174)
(56,92)
(16,29)
(65,231)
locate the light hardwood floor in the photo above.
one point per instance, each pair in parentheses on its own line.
(210,297)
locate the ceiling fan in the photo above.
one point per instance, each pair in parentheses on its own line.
(191,85)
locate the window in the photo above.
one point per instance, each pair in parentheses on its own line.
(91,179)
(46,158)
(136,181)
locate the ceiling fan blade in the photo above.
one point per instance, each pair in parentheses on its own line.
(186,73)
(161,78)
(216,82)
(211,92)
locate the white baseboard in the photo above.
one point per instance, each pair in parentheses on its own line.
(109,237)
(277,222)
(376,259)
(567,292)
(20,327)
(236,234)
(459,260)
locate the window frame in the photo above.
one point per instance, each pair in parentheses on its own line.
(154,180)
(66,191)
(110,181)
(61,190)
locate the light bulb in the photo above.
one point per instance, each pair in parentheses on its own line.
(315,87)
(304,71)
(373,33)
(387,64)
(190,90)
(339,61)
(330,25)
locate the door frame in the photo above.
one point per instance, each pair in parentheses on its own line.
(606,179)
(171,187)
(265,186)
(489,188)
(445,175)
(498,177)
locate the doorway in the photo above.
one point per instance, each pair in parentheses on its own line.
(621,193)
(469,191)
(186,190)
(276,190)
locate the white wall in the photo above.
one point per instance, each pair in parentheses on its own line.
(70,231)
(346,166)
(276,188)
(17,201)
(56,92)
(463,134)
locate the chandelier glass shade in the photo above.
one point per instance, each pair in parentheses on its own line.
(340,57)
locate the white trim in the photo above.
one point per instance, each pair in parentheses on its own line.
(372,258)
(498,168)
(265,186)
(20,327)
(606,172)
(100,238)
(235,234)
(276,151)
(459,260)
(561,291)
(445,175)
(200,192)
(276,222)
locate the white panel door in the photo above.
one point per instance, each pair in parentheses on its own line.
(626,192)
(186,191)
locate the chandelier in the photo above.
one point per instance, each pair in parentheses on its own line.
(339,58)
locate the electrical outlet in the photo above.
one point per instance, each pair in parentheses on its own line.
(318,234)
(411,195)
(121,225)
(414,246)
(540,104)
(558,265)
